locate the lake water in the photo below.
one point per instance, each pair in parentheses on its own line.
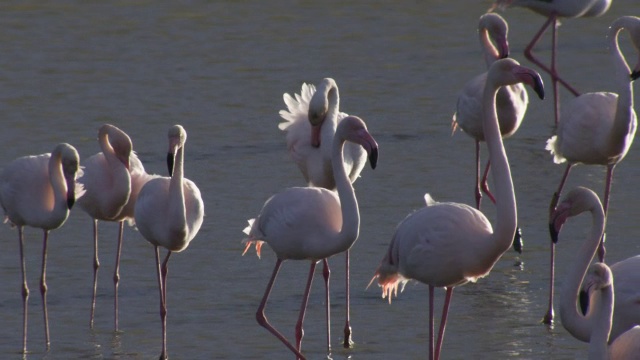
(220,68)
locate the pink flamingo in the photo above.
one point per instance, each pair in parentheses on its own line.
(511,103)
(39,191)
(307,223)
(450,244)
(599,324)
(310,122)
(598,128)
(169,212)
(553,10)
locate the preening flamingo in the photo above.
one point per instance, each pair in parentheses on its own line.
(308,223)
(450,244)
(598,128)
(169,212)
(107,185)
(553,10)
(39,191)
(598,324)
(310,122)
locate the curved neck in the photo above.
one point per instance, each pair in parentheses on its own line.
(489,50)
(623,120)
(330,92)
(105,146)
(176,190)
(506,213)
(348,202)
(58,183)
(578,325)
(602,322)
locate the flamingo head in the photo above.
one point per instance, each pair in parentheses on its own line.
(316,118)
(177,138)
(355,130)
(70,161)
(498,30)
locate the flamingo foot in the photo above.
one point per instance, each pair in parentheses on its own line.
(548,318)
(517,241)
(348,341)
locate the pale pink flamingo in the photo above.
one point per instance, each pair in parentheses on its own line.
(309,223)
(553,10)
(450,244)
(511,101)
(598,324)
(169,212)
(39,191)
(598,128)
(310,122)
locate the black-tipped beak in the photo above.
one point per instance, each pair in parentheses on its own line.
(373,157)
(635,75)
(539,87)
(71,200)
(553,233)
(170,159)
(583,302)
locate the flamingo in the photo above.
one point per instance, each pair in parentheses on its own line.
(553,10)
(169,212)
(310,122)
(450,244)
(107,184)
(598,128)
(39,191)
(598,324)
(309,223)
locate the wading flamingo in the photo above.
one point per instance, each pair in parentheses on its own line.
(310,122)
(450,244)
(553,10)
(598,324)
(169,212)
(39,191)
(598,128)
(308,223)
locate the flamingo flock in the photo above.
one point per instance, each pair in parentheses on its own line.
(442,245)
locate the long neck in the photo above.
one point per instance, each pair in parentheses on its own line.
(349,204)
(331,120)
(506,214)
(58,184)
(602,322)
(176,191)
(578,325)
(623,121)
(490,51)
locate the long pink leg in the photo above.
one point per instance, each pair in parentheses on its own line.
(116,274)
(548,316)
(556,195)
(43,288)
(478,193)
(348,342)
(431,299)
(25,291)
(528,53)
(262,319)
(484,186)
(303,307)
(326,274)
(443,322)
(607,191)
(96,266)
(163,305)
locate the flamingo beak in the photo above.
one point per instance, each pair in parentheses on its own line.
(170,159)
(71,193)
(553,233)
(538,87)
(373,157)
(635,75)
(315,135)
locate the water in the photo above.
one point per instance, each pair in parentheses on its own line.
(220,69)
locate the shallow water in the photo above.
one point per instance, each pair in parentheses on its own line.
(220,69)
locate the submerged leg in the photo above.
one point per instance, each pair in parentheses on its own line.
(431,299)
(348,341)
(163,307)
(96,266)
(43,288)
(303,307)
(25,291)
(116,275)
(326,274)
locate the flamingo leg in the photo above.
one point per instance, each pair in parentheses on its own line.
(25,291)
(528,53)
(431,299)
(556,195)
(326,273)
(303,307)
(484,185)
(443,322)
(262,319)
(96,266)
(548,316)
(478,193)
(348,342)
(163,306)
(607,191)
(43,288)
(116,274)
